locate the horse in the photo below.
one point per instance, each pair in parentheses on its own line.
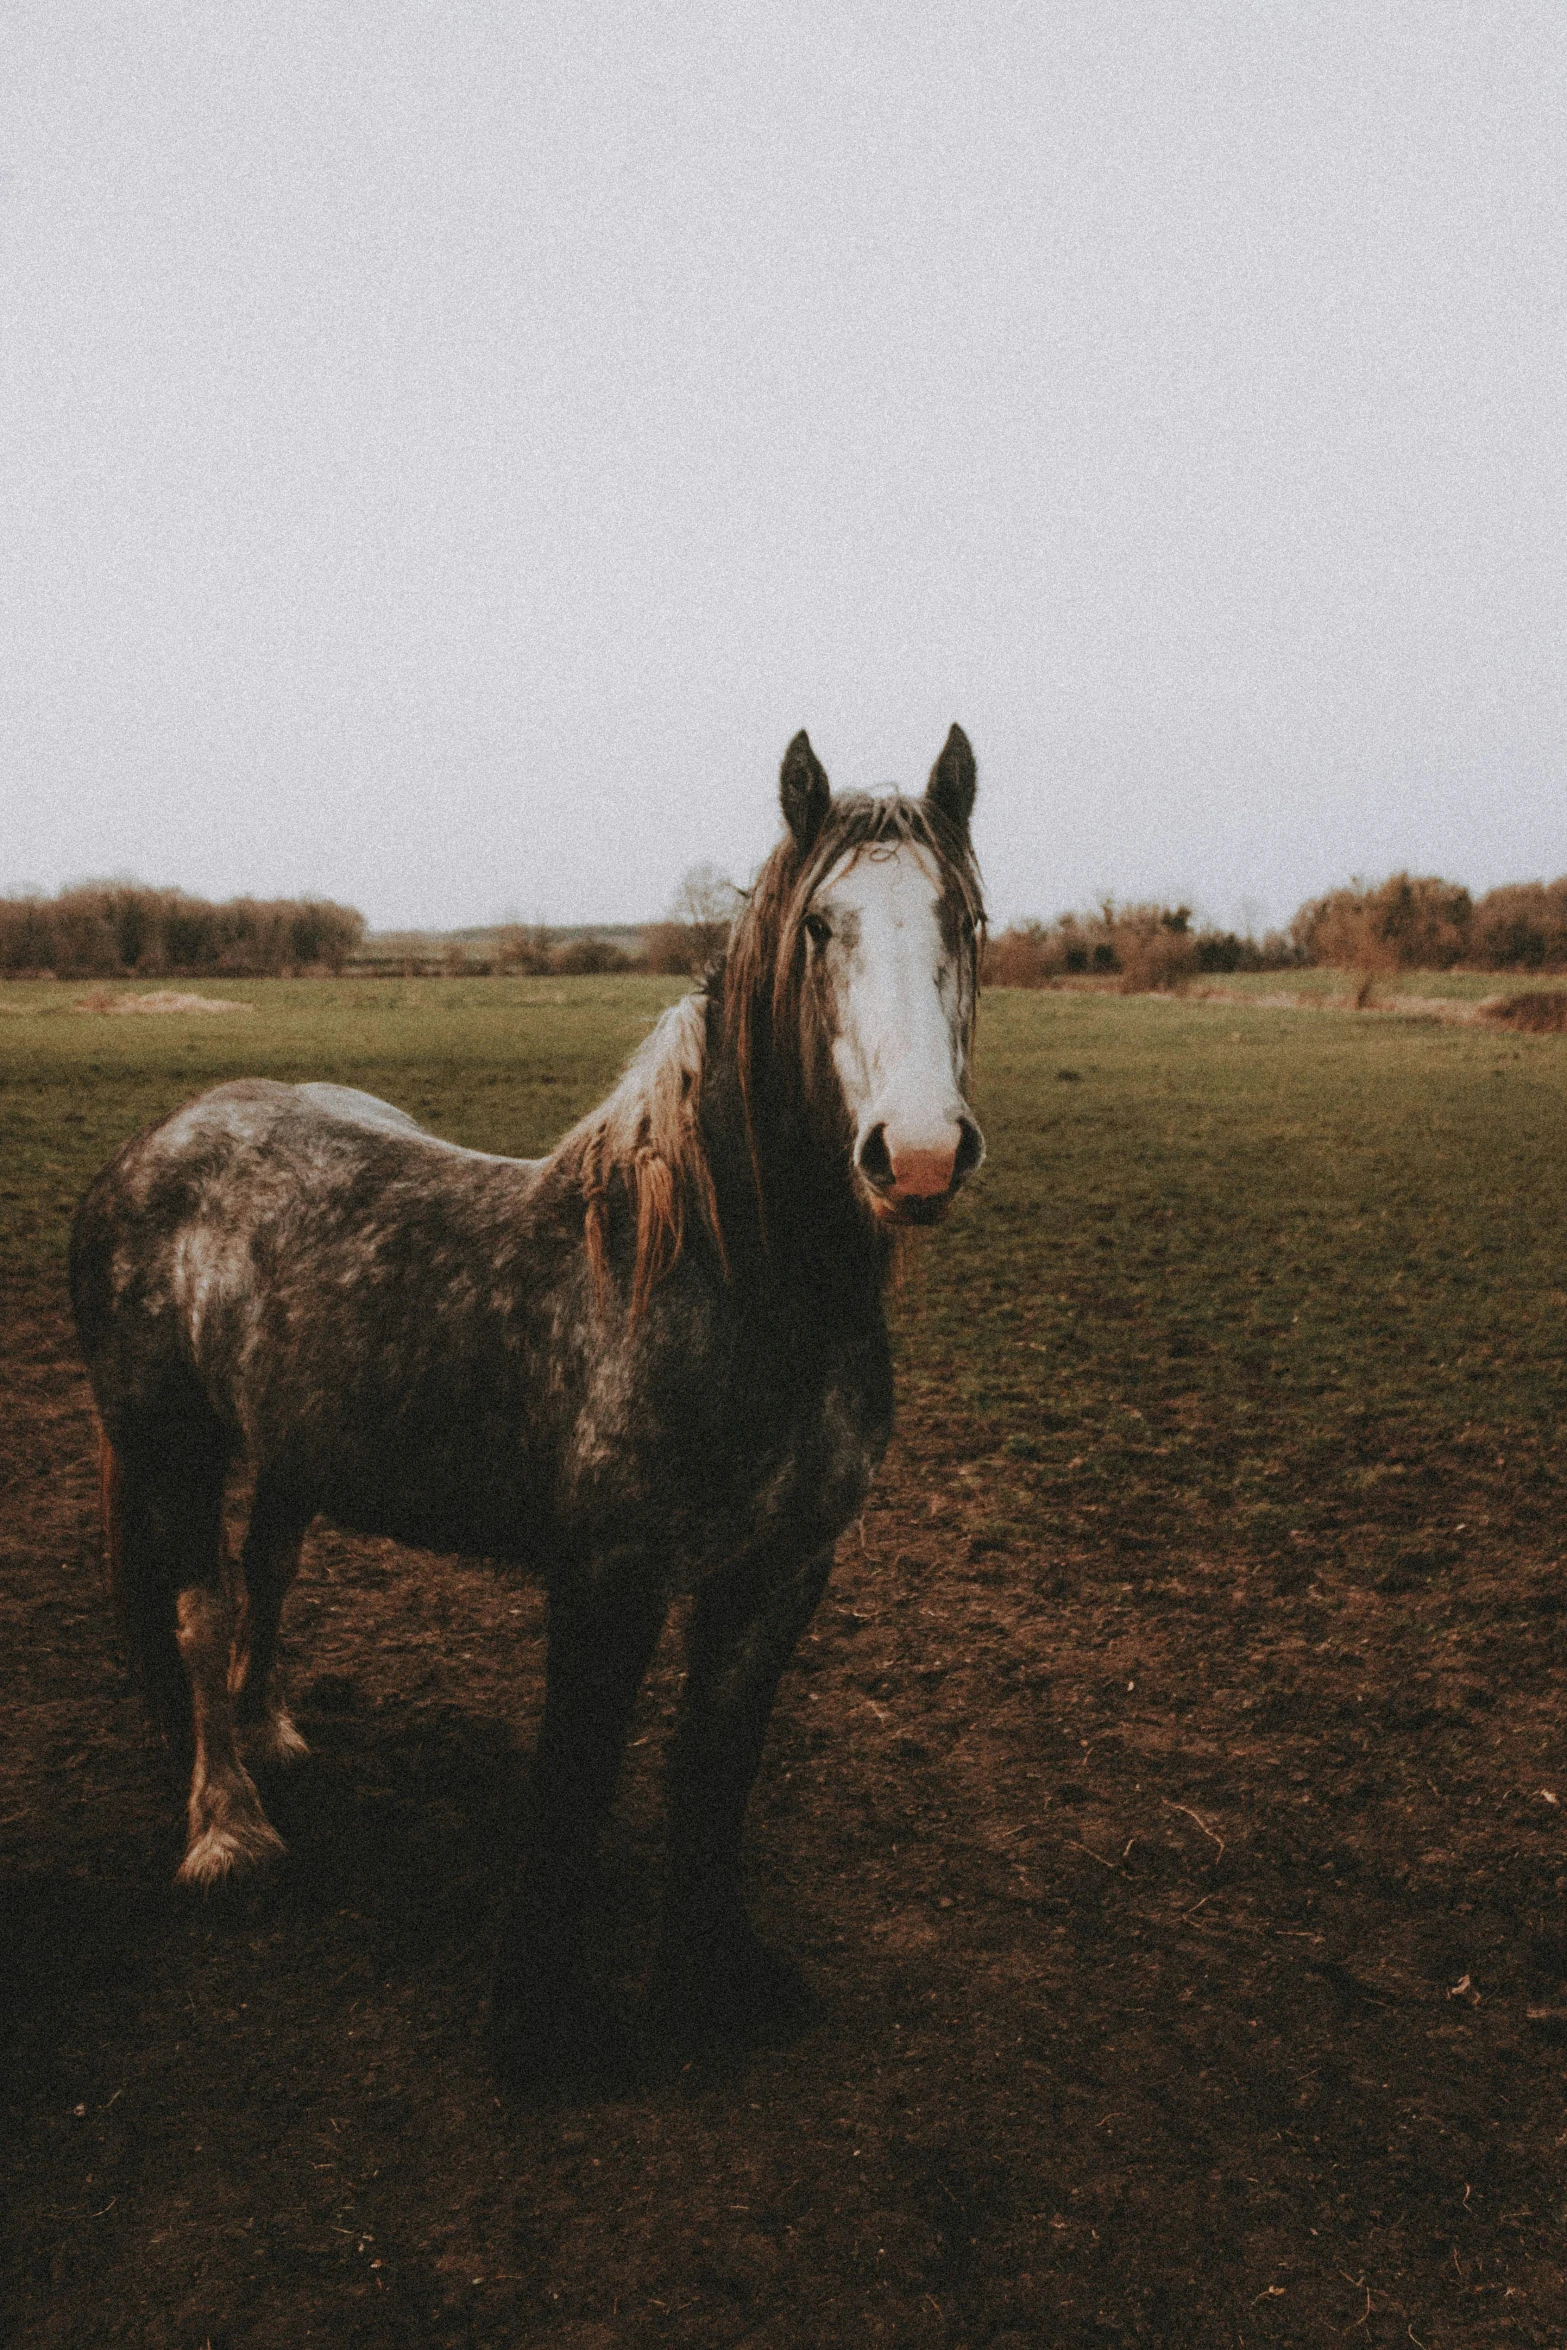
(653,1364)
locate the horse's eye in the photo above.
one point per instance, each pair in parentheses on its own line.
(816,930)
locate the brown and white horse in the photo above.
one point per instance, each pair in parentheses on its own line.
(653,1363)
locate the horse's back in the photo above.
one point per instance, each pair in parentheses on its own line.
(264,1207)
(284,1126)
(364,1109)
(256,1147)
(221,1163)
(348,1105)
(142,1205)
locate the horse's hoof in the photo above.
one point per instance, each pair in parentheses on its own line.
(231,1848)
(572,2044)
(736,1990)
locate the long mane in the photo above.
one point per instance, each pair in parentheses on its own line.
(647,1135)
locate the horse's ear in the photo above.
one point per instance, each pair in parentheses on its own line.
(803,791)
(952,784)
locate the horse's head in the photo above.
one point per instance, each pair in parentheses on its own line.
(878,911)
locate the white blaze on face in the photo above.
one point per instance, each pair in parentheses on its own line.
(899,989)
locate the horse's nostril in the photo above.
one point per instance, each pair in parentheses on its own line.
(874,1161)
(970,1151)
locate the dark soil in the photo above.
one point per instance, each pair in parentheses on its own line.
(1189,1931)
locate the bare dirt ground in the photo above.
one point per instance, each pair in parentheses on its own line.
(167,1000)
(1189,1932)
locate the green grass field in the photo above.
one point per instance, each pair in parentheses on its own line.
(1236,1273)
(1168,1799)
(1326,986)
(1232,1275)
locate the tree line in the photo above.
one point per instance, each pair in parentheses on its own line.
(111,930)
(1408,923)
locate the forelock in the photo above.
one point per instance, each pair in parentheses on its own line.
(856,821)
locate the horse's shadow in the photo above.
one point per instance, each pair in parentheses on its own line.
(400,1833)
(410,1819)
(403,1834)
(411,1830)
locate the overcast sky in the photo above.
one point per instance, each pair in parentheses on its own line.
(448,450)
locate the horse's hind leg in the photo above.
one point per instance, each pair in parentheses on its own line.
(174,1580)
(228,1828)
(268,1565)
(715,1976)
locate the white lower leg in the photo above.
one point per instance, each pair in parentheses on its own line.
(266,1729)
(228,1828)
(273,1736)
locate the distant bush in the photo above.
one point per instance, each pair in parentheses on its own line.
(1148,949)
(1407,923)
(523,948)
(1521,927)
(109,930)
(689,938)
(536,953)
(1229,950)
(1422,923)
(671,950)
(1020,957)
(589,958)
(1543,1012)
(1155,951)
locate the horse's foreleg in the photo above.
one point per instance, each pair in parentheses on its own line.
(268,1565)
(601,1634)
(715,1976)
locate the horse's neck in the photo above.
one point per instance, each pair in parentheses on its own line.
(808,1229)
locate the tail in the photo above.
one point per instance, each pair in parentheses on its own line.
(111,1519)
(141,1594)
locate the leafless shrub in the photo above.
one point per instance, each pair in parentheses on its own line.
(523,948)
(1422,923)
(669,950)
(697,927)
(1142,948)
